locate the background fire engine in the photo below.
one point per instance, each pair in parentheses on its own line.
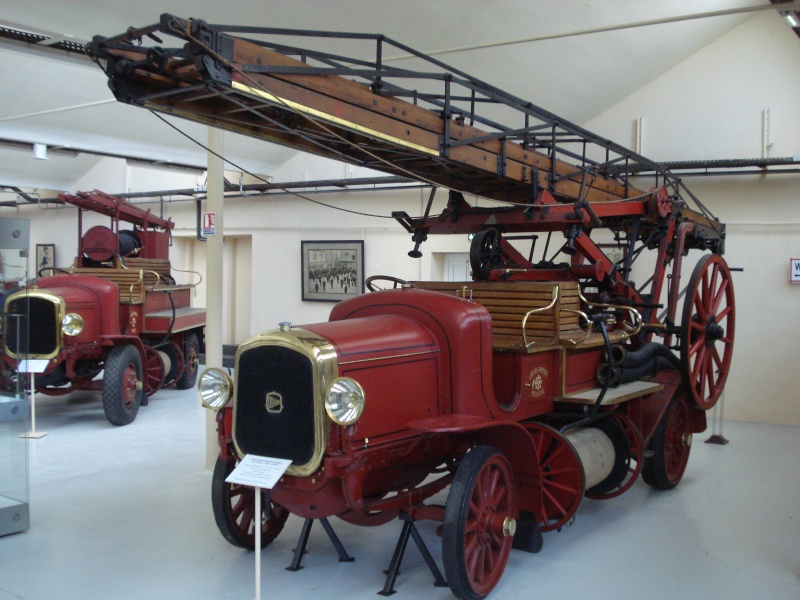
(116,310)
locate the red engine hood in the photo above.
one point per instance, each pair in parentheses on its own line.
(375,337)
(81,289)
(95,299)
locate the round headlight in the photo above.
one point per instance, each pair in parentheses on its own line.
(215,388)
(72,324)
(344,401)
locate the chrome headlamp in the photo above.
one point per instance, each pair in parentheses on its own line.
(344,401)
(215,388)
(72,324)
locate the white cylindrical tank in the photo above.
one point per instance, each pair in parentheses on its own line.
(596,452)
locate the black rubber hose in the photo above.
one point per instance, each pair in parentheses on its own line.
(647,353)
(648,369)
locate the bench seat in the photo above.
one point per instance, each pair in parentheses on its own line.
(139,275)
(509,302)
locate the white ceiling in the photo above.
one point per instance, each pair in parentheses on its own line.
(64,101)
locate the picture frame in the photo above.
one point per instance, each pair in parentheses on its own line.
(332,270)
(45,257)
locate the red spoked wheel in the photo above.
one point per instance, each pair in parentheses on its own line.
(563,481)
(670,446)
(479,523)
(633,460)
(234,507)
(153,371)
(707,330)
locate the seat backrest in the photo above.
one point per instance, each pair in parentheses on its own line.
(509,302)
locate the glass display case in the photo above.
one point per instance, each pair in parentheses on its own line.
(14,408)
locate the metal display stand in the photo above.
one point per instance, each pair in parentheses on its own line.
(302,542)
(33,434)
(716,434)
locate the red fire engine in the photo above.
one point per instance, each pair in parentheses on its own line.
(116,311)
(548,377)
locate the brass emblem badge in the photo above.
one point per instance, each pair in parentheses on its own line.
(274,403)
(537,379)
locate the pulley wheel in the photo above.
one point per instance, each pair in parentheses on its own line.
(485,253)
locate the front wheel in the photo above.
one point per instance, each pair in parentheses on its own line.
(123,387)
(234,507)
(479,523)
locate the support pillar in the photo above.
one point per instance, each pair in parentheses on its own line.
(215,187)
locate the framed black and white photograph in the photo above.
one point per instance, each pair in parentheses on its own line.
(332,270)
(45,257)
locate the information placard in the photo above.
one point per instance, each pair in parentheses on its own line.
(259,471)
(32,365)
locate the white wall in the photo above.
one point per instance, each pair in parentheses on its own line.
(279,223)
(708,107)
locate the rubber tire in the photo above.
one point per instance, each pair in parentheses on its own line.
(191,351)
(655,471)
(226,522)
(454,529)
(119,359)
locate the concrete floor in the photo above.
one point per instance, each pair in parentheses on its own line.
(125,513)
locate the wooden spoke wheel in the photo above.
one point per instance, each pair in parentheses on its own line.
(479,523)
(670,446)
(707,330)
(375,282)
(632,460)
(234,507)
(153,371)
(563,481)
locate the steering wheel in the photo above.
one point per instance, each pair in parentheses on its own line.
(396,281)
(53,269)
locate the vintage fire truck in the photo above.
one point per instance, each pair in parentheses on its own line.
(548,377)
(116,311)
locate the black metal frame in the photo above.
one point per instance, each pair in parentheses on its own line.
(460,95)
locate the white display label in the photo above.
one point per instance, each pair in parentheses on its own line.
(259,471)
(32,365)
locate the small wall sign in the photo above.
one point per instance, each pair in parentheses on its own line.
(209,223)
(794,270)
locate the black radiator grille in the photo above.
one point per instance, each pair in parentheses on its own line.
(32,326)
(275,404)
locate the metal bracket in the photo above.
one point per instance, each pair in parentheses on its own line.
(300,549)
(409,529)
